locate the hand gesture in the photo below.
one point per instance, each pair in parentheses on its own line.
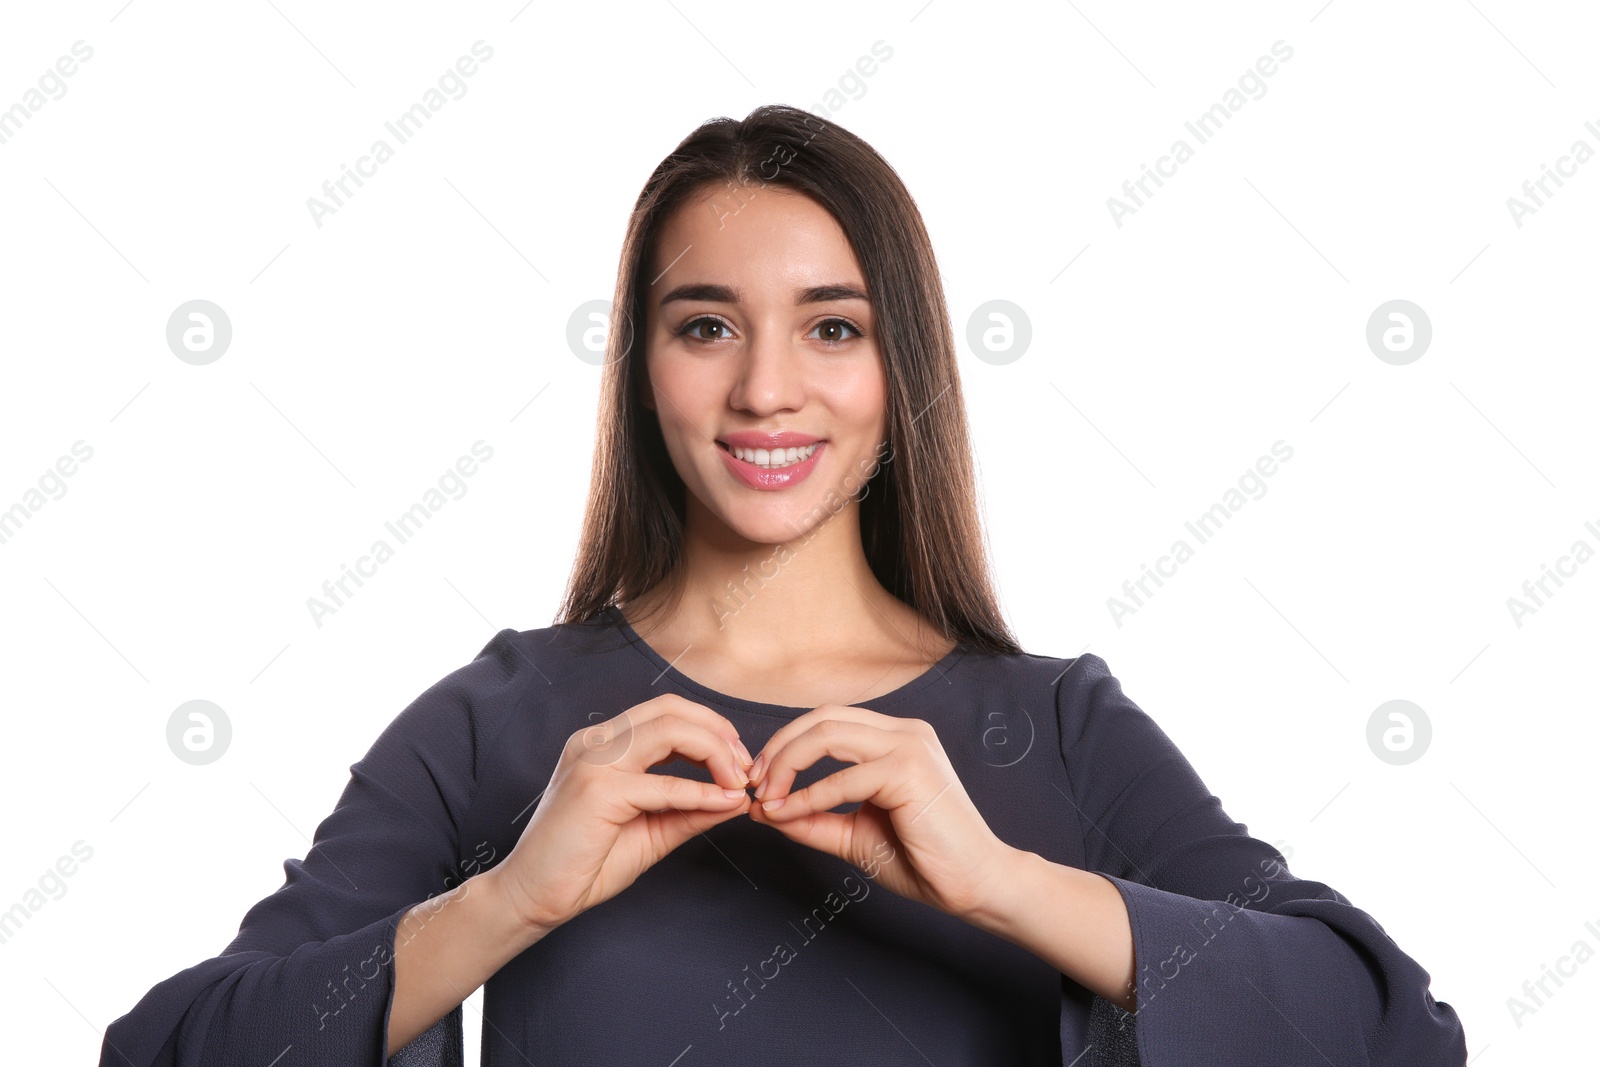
(916,832)
(604,818)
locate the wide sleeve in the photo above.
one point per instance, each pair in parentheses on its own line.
(310,975)
(1236,960)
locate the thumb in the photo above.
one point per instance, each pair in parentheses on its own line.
(824,831)
(677,825)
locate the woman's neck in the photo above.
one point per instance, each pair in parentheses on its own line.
(813,598)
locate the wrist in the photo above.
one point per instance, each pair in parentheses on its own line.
(507,912)
(1013,874)
(1071,918)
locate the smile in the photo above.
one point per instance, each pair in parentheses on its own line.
(771,469)
(775,459)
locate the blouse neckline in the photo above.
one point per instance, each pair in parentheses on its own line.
(706,694)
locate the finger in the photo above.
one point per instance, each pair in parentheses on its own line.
(859,783)
(845,740)
(667,703)
(675,825)
(644,793)
(827,832)
(601,733)
(801,723)
(667,736)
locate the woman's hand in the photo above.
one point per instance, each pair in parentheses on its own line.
(916,832)
(604,819)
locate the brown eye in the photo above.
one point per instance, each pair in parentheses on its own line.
(834,327)
(691,327)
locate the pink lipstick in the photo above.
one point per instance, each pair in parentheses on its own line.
(763,459)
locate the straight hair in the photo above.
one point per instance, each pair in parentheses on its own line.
(919,520)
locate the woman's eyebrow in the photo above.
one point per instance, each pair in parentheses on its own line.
(726,294)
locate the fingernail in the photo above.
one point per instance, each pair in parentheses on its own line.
(732,793)
(745,752)
(768,805)
(758,766)
(762,788)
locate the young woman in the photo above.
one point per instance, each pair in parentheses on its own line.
(783,587)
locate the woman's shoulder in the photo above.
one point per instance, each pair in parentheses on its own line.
(545,654)
(1060,674)
(511,668)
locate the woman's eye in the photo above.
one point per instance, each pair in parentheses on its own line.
(689,328)
(836,326)
(832,331)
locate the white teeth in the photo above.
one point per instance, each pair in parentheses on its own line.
(779,457)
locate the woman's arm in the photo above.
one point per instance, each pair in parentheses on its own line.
(1233,957)
(1073,920)
(445,948)
(311,970)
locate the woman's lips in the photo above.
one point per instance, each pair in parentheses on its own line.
(758,477)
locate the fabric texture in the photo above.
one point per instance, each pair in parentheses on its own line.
(741,946)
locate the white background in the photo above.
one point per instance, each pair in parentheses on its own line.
(1167,355)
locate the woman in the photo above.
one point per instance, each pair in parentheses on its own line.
(783,585)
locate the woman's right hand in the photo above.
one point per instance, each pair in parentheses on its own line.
(604,819)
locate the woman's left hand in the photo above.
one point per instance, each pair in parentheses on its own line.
(916,832)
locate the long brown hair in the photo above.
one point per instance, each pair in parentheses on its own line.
(919,519)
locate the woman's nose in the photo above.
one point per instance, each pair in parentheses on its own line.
(771,375)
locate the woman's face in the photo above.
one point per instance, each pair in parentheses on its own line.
(757,323)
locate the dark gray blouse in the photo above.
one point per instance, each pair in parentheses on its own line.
(743,948)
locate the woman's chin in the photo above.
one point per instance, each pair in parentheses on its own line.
(778,522)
